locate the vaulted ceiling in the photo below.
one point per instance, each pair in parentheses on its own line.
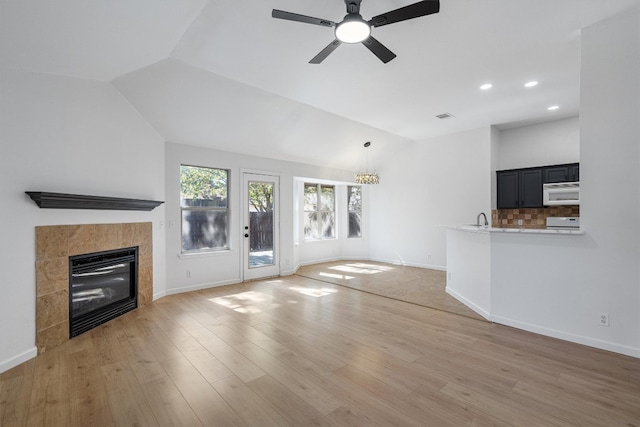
(224,74)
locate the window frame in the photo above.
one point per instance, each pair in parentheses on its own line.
(319,211)
(217,209)
(349,211)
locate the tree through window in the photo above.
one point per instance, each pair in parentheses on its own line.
(354,209)
(319,212)
(205,208)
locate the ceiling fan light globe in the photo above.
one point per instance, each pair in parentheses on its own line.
(353,30)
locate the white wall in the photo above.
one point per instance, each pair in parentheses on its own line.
(469,268)
(65,135)
(558,285)
(425,187)
(216,269)
(495,164)
(550,143)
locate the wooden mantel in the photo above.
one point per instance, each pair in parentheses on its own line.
(76,201)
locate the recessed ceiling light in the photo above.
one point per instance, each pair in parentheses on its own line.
(531,84)
(486,86)
(553,107)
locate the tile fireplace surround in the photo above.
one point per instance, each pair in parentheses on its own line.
(55,244)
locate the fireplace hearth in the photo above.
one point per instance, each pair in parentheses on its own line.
(102,286)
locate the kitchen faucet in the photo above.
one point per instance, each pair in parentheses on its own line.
(486,223)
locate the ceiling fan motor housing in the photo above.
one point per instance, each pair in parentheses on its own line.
(353,6)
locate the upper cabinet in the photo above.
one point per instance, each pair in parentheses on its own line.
(521,188)
(562,173)
(508,190)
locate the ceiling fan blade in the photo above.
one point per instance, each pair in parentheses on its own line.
(416,10)
(325,52)
(290,16)
(378,49)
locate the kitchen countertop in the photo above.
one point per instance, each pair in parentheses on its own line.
(476,229)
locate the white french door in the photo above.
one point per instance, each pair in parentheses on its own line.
(261,231)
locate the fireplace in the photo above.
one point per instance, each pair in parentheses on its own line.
(102,286)
(56,244)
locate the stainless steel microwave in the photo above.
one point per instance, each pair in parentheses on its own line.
(561,193)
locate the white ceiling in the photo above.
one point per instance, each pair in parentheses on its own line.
(224,74)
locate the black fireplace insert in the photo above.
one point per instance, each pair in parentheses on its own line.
(102,286)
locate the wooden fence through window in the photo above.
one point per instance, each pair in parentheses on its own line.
(261,226)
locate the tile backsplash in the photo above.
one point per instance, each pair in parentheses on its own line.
(531,218)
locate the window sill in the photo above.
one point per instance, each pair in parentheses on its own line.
(333,239)
(207,254)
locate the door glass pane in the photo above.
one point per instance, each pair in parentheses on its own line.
(261,224)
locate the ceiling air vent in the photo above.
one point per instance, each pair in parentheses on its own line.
(445,116)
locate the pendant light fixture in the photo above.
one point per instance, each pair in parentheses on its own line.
(367,177)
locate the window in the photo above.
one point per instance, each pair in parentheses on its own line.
(354,210)
(205,209)
(319,212)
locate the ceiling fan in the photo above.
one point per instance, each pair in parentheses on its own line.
(354,29)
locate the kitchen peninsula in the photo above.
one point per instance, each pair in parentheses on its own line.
(517,276)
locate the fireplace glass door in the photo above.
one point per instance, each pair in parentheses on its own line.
(102,286)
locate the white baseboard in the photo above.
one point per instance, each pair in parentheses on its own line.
(410,264)
(468,303)
(18,359)
(289,272)
(319,261)
(195,288)
(566,336)
(386,261)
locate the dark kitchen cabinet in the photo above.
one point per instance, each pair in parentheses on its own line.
(521,188)
(508,191)
(530,188)
(562,173)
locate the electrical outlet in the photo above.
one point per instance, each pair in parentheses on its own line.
(188,274)
(519,222)
(428,257)
(604,319)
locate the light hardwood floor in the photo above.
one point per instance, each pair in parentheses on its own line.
(420,286)
(294,351)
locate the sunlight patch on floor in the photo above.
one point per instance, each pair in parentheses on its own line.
(314,292)
(244,302)
(362,268)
